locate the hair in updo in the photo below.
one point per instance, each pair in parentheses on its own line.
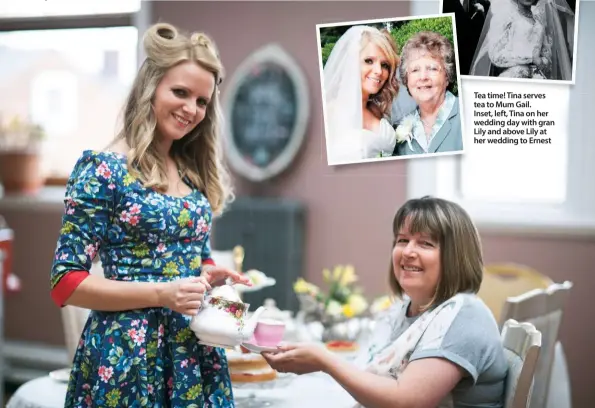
(197,154)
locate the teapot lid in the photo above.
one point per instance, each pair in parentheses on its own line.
(226,292)
(273,312)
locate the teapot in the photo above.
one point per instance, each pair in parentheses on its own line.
(223,322)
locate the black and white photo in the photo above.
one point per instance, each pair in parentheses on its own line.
(516,39)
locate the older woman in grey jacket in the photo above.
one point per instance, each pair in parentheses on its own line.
(427,69)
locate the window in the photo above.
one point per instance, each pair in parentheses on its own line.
(544,188)
(72,78)
(39,8)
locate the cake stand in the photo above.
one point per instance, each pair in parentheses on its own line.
(250,397)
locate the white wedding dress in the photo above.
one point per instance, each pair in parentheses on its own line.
(355,145)
(346,139)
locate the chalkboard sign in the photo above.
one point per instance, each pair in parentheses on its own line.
(266,110)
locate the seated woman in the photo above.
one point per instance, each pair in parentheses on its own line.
(439,345)
(427,70)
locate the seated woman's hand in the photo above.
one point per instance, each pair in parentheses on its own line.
(217,275)
(298,358)
(184,295)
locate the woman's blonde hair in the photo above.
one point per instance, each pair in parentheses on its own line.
(198,154)
(461,259)
(380,103)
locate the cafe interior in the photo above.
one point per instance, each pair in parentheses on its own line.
(298,227)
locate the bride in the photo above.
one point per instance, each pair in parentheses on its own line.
(526,39)
(359,88)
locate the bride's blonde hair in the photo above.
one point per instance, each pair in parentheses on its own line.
(198,154)
(380,103)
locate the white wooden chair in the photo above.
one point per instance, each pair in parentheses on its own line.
(544,309)
(522,343)
(503,280)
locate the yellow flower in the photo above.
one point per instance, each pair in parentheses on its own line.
(334,308)
(344,275)
(348,311)
(171,269)
(67,228)
(326,274)
(183,218)
(113,398)
(380,304)
(141,250)
(196,262)
(129,179)
(358,303)
(302,286)
(348,277)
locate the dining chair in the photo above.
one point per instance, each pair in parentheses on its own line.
(522,343)
(544,309)
(503,280)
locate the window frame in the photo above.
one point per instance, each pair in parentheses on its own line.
(141,19)
(439,176)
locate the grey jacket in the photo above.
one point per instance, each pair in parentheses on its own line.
(448,139)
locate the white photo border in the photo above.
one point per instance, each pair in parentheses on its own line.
(538,81)
(388,20)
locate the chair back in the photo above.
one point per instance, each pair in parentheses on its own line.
(501,281)
(543,308)
(522,343)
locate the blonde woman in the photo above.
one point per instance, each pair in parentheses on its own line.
(359,86)
(145,207)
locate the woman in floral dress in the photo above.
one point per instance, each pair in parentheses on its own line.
(145,207)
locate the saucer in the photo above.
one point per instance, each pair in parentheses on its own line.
(255,348)
(212,344)
(61,375)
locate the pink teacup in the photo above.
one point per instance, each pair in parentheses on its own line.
(269,332)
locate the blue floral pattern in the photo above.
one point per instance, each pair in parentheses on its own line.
(147,357)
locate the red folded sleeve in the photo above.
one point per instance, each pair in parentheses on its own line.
(208,261)
(67,285)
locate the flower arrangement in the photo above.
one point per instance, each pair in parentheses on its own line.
(404,131)
(344,300)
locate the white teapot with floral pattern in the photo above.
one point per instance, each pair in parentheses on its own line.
(222,320)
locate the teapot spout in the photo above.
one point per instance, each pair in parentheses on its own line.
(250,324)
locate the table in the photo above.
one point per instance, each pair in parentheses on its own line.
(313,391)
(42,392)
(45,392)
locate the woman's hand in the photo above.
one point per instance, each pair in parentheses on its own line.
(184,295)
(299,358)
(217,275)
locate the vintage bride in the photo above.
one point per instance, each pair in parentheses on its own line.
(526,39)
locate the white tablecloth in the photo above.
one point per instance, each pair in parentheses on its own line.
(310,391)
(314,390)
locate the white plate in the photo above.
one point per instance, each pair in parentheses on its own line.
(61,375)
(265,284)
(255,348)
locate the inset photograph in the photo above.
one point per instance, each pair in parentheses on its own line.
(533,40)
(390,89)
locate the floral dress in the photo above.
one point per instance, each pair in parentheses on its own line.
(147,357)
